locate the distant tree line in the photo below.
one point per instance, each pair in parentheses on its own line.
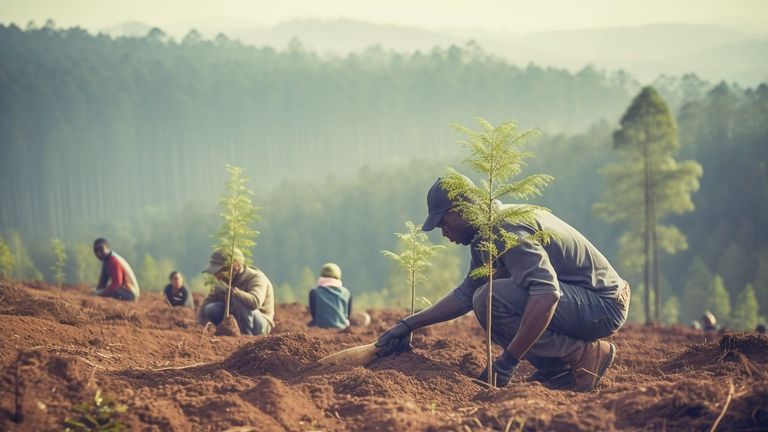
(127,139)
(114,125)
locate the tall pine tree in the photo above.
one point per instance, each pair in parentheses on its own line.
(746,314)
(647,186)
(696,290)
(718,301)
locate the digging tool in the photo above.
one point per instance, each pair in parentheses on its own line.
(355,356)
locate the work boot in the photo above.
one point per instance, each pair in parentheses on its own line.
(554,379)
(589,370)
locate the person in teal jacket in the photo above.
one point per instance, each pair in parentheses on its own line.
(330,303)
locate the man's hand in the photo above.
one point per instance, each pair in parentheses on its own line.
(219,289)
(503,368)
(396,339)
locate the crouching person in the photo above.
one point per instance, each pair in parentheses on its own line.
(176,293)
(252,301)
(117,279)
(553,305)
(330,303)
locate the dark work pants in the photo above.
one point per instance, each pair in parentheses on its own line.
(251,322)
(581,317)
(121,293)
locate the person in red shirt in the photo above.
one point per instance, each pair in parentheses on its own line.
(117,278)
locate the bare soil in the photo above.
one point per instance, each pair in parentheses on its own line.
(61,345)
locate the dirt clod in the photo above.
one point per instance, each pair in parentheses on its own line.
(227,327)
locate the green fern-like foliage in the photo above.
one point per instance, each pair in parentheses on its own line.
(238,213)
(99,416)
(414,256)
(60,255)
(498,155)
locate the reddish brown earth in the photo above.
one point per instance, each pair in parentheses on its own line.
(174,375)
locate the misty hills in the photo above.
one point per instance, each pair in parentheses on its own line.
(712,52)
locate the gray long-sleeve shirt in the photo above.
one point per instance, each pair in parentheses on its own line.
(569,257)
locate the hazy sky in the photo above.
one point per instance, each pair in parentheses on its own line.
(494,15)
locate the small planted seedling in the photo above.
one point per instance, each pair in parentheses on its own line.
(237,213)
(414,257)
(60,255)
(497,154)
(101,415)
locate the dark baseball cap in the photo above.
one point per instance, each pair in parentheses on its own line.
(219,259)
(437,204)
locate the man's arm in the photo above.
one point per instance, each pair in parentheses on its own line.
(398,338)
(115,273)
(103,277)
(189,300)
(454,304)
(536,317)
(253,294)
(447,308)
(529,263)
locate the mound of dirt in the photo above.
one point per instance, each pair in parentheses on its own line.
(749,412)
(162,316)
(288,326)
(47,382)
(281,356)
(754,345)
(293,410)
(12,291)
(16,301)
(736,353)
(227,327)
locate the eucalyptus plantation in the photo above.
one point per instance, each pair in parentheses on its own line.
(498,155)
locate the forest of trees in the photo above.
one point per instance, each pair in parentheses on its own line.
(128,138)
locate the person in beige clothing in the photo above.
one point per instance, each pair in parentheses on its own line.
(252,301)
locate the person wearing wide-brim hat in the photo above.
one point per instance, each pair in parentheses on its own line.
(330,303)
(252,299)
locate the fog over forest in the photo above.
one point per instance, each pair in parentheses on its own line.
(127,138)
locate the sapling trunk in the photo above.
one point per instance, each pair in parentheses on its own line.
(235,233)
(496,152)
(413,292)
(489,301)
(414,257)
(488,347)
(229,284)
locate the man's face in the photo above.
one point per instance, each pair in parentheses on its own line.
(101,251)
(456,229)
(223,274)
(177,281)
